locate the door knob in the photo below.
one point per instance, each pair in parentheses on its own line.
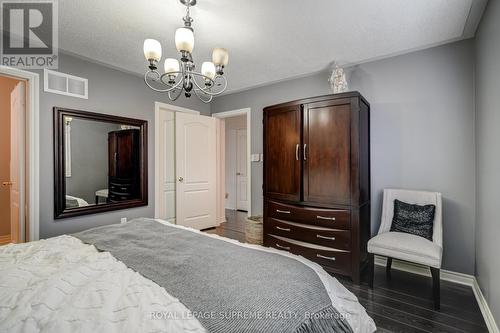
(7,183)
(181,179)
(238,174)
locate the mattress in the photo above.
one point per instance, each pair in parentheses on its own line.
(61,284)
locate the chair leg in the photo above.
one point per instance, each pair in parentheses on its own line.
(388,266)
(371,268)
(436,287)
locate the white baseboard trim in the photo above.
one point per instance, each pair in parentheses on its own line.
(485,309)
(460,278)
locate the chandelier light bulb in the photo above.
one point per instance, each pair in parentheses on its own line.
(152,49)
(220,56)
(171,65)
(208,69)
(184,40)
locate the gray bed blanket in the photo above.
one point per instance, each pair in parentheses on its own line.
(229,288)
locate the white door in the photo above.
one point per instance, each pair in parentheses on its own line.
(241,170)
(166,164)
(17,110)
(231,169)
(195,143)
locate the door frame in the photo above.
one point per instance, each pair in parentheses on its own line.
(32,148)
(161,107)
(248,113)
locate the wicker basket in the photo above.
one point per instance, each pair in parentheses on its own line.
(254,230)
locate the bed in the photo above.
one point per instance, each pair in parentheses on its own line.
(73,202)
(152,276)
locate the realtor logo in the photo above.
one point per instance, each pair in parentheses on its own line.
(29,34)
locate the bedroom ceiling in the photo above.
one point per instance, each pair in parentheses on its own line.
(268,41)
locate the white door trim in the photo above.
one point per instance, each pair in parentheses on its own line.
(159,106)
(33,80)
(248,113)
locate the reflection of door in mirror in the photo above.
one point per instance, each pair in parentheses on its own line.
(124,162)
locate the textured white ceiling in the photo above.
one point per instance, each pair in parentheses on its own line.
(268,41)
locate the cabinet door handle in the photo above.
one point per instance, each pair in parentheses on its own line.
(283,247)
(324,257)
(325,237)
(282,211)
(284,229)
(297,151)
(305,147)
(319,217)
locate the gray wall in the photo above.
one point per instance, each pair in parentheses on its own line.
(488,156)
(89,158)
(110,92)
(422,132)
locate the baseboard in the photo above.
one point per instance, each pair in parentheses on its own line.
(485,309)
(409,267)
(5,239)
(460,278)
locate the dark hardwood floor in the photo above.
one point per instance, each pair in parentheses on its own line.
(401,303)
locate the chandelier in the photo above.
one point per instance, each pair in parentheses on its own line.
(180,76)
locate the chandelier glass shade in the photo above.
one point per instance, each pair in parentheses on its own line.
(180,76)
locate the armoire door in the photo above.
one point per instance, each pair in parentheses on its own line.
(283,165)
(124,157)
(327,150)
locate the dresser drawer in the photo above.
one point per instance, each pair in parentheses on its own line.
(336,260)
(113,197)
(121,188)
(338,239)
(330,218)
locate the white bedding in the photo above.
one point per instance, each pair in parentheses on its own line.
(80,201)
(63,285)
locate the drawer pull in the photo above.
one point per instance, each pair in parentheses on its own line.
(319,217)
(324,257)
(283,247)
(325,237)
(284,229)
(282,211)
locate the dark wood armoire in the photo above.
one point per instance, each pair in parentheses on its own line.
(124,165)
(317,180)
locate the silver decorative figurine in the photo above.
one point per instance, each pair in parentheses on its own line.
(337,80)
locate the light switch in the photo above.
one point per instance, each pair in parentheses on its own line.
(255,157)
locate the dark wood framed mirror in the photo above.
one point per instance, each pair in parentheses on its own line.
(100,163)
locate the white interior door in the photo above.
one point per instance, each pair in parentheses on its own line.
(230,176)
(17,109)
(195,143)
(166,164)
(241,170)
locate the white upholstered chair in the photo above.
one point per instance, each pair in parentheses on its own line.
(407,247)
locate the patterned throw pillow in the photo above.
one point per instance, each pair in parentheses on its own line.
(413,219)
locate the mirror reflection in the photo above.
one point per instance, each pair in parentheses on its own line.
(101,162)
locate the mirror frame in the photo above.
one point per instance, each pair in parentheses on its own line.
(60,210)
